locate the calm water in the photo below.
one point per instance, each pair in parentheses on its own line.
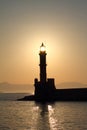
(15,115)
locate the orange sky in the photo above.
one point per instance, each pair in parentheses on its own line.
(61,25)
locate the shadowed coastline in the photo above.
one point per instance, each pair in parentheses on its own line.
(77,94)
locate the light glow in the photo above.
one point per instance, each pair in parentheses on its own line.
(42,48)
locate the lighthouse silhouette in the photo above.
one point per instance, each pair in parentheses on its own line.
(45,88)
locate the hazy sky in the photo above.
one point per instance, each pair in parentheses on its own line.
(60,24)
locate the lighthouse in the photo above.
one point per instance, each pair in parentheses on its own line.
(45,87)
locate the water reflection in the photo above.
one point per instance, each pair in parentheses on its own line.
(46,117)
(52,119)
(16,115)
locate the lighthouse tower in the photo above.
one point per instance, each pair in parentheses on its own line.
(43,75)
(44,88)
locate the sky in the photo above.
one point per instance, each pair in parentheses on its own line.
(60,24)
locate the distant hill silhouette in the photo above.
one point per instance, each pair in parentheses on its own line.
(6,87)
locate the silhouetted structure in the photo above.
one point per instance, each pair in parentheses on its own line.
(45,88)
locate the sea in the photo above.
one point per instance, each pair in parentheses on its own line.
(30,115)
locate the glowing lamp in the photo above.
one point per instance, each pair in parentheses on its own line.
(42,48)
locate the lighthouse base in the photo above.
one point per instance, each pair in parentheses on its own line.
(44,91)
